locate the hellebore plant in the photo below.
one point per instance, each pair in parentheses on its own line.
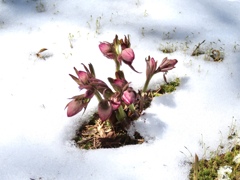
(165,66)
(118,50)
(122,104)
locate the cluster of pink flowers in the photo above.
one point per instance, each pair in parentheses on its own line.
(118,50)
(112,103)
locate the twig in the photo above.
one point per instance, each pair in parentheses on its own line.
(196,50)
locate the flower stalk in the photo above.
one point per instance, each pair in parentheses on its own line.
(121,115)
(132,107)
(98,96)
(117,64)
(146,84)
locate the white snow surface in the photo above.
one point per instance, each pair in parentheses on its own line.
(35,132)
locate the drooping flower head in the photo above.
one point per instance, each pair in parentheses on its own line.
(167,64)
(86,80)
(104,110)
(107,49)
(151,69)
(77,104)
(119,50)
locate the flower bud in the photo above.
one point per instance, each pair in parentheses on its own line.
(83,77)
(75,106)
(106,49)
(104,110)
(117,84)
(151,67)
(167,64)
(129,96)
(127,56)
(115,102)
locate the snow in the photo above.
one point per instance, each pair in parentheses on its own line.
(34,129)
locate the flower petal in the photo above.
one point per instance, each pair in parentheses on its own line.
(74,107)
(105,47)
(129,96)
(115,104)
(127,55)
(167,64)
(117,84)
(151,66)
(83,77)
(104,110)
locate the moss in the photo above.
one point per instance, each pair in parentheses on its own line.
(208,168)
(170,87)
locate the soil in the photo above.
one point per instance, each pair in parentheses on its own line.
(97,134)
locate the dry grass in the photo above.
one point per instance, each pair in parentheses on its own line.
(108,134)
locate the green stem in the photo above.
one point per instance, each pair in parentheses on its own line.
(121,113)
(146,84)
(131,107)
(99,97)
(117,52)
(117,65)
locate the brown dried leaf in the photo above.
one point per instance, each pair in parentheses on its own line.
(110,134)
(41,50)
(102,133)
(196,167)
(89,132)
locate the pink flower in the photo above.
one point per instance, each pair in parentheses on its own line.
(104,110)
(167,64)
(129,96)
(85,80)
(115,102)
(118,84)
(82,76)
(151,67)
(106,49)
(76,105)
(127,55)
